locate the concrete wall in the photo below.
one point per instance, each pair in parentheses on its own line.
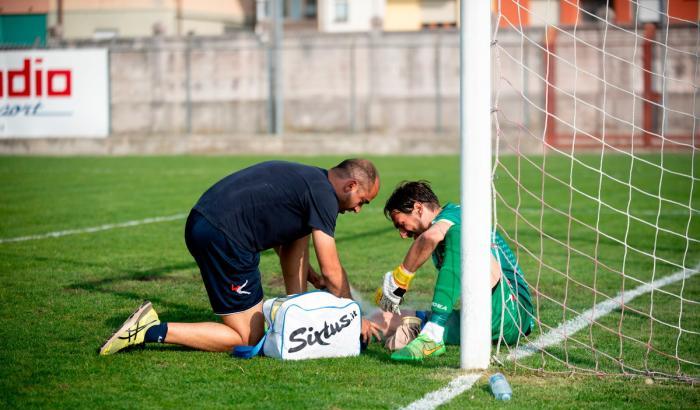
(332,83)
(391,84)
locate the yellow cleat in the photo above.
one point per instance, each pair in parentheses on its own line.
(132,332)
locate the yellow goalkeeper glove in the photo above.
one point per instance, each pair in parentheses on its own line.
(395,285)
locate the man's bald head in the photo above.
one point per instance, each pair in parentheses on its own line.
(362,170)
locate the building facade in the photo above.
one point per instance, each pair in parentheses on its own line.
(534,13)
(87,19)
(23,23)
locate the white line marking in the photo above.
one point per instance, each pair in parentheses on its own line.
(442,396)
(462,383)
(607,211)
(584,320)
(93,229)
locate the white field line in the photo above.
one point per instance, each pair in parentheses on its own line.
(456,387)
(462,383)
(607,211)
(94,228)
(601,309)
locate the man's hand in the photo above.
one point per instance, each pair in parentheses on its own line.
(395,285)
(370,329)
(315,279)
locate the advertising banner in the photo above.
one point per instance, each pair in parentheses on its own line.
(54,93)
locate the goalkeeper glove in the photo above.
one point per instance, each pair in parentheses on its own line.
(390,295)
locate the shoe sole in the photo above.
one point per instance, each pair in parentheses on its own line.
(130,321)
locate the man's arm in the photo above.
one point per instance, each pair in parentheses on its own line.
(425,244)
(336,279)
(396,282)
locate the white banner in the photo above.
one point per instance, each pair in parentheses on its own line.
(54,93)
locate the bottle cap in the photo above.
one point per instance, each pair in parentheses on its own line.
(505,397)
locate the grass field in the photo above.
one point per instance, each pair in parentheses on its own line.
(60,298)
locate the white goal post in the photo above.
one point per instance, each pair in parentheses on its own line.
(580,128)
(475,137)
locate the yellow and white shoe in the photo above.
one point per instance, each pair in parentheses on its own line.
(132,332)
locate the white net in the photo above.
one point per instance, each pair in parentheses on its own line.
(595,182)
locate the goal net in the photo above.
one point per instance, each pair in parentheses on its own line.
(596,113)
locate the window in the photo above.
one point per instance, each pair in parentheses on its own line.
(341,11)
(597,10)
(105,33)
(310,9)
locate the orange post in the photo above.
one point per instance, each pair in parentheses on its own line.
(515,12)
(623,12)
(683,10)
(568,12)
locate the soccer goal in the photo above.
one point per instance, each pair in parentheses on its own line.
(595,111)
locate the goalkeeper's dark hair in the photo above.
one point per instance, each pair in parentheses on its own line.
(408,193)
(361,169)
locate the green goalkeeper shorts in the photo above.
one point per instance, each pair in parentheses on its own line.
(513,314)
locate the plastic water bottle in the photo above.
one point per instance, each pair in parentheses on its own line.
(500,387)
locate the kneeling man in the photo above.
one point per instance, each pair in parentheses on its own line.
(279,205)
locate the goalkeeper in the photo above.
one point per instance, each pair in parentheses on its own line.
(416,213)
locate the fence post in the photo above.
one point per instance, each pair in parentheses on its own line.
(438,84)
(353,96)
(188,84)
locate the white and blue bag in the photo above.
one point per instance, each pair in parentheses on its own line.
(309,325)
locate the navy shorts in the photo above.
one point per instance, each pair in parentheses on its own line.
(231,274)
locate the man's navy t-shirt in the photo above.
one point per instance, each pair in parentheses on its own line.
(271,203)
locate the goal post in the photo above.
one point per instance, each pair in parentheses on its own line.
(475,137)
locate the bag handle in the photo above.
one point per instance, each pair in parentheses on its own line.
(248,352)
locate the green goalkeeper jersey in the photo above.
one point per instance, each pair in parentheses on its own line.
(510,302)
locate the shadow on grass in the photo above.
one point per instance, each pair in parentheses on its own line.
(176,312)
(486,388)
(446,361)
(158,347)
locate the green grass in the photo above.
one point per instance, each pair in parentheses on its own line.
(60,298)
